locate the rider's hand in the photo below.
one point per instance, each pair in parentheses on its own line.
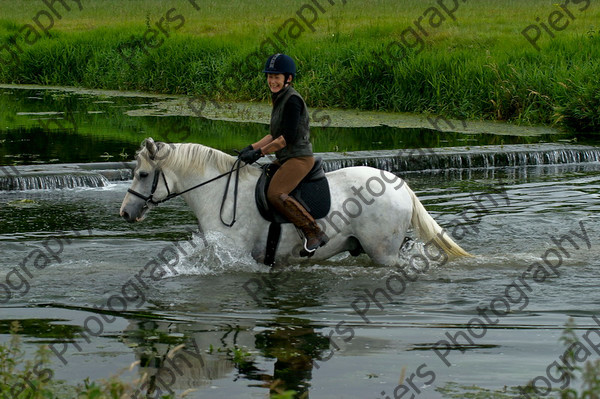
(251,156)
(249,148)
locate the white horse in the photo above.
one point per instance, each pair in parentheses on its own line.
(371,209)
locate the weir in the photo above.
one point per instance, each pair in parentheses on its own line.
(61,176)
(44,182)
(431,160)
(475,157)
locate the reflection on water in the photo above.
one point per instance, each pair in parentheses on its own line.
(294,345)
(236,346)
(200,329)
(173,360)
(41,126)
(175,357)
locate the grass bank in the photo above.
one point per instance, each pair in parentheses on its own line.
(461,59)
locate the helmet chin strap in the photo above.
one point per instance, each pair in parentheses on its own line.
(285,85)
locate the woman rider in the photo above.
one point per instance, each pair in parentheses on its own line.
(289,139)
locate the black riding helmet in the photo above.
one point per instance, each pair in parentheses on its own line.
(281,63)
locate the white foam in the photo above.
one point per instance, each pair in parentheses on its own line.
(216,254)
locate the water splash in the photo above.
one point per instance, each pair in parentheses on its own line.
(215,254)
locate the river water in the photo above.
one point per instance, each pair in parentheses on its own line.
(67,258)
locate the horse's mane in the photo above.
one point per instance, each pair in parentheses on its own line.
(194,158)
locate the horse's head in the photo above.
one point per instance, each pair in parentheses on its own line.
(148,187)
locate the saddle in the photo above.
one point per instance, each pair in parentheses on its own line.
(312,192)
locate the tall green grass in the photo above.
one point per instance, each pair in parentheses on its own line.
(479,66)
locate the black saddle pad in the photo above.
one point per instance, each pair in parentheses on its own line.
(312,192)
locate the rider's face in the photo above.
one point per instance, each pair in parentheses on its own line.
(276,81)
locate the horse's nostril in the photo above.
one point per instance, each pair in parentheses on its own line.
(124,215)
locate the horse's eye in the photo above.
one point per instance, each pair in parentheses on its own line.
(143,175)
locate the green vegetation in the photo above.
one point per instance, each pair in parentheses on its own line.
(33,379)
(27,379)
(21,378)
(479,65)
(588,372)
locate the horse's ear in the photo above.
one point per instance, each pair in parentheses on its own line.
(151,147)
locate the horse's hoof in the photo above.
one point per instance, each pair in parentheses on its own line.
(407,244)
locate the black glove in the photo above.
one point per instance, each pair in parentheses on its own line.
(249,148)
(250,156)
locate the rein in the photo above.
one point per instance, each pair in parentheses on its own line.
(149,199)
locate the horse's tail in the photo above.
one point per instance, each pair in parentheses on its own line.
(429,231)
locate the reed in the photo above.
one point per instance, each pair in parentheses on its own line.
(476,65)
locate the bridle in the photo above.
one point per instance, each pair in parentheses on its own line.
(149,199)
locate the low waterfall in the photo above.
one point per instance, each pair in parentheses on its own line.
(61,176)
(44,182)
(484,157)
(451,161)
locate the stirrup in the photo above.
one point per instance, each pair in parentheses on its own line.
(305,251)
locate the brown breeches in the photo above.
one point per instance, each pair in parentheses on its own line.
(287,177)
